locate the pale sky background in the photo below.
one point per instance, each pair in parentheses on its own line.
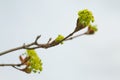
(95,57)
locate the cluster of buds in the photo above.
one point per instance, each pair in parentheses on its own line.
(91,29)
(85,18)
(35,61)
(32,61)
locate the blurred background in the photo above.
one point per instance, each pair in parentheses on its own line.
(94,57)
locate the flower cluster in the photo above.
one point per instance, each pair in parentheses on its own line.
(31,61)
(34,61)
(85,17)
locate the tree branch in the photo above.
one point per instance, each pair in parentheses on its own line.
(51,43)
(37,45)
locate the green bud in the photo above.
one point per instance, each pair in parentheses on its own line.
(59,38)
(92,29)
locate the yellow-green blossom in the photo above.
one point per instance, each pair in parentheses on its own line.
(35,61)
(85,17)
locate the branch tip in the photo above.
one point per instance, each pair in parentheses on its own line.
(37,39)
(49,40)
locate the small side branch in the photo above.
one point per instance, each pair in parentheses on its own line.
(70,38)
(16,66)
(36,40)
(10,64)
(20,64)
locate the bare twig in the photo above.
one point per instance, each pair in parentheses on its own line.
(70,38)
(49,40)
(37,39)
(15,49)
(20,64)
(11,64)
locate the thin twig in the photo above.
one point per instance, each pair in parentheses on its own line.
(70,38)
(15,49)
(49,40)
(37,39)
(10,64)
(20,64)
